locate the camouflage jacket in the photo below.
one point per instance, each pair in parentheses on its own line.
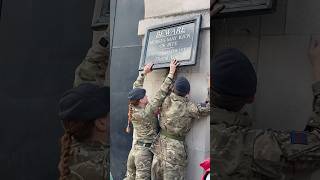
(94,68)
(239,152)
(88,161)
(177,114)
(144,120)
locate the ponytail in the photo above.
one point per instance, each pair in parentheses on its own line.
(132,103)
(65,155)
(130,111)
(79,131)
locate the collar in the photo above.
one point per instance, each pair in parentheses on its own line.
(222,116)
(178,98)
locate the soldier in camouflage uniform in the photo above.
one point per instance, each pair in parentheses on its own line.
(84,112)
(239,152)
(144,119)
(85,144)
(176,116)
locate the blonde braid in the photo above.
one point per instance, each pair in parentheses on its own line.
(65,155)
(130,111)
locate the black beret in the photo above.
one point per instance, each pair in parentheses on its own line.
(136,94)
(182,86)
(85,102)
(233,74)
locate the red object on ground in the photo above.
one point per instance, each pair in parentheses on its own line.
(206,166)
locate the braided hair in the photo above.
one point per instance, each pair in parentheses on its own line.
(132,103)
(78,130)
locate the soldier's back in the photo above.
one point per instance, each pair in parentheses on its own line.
(88,161)
(176,115)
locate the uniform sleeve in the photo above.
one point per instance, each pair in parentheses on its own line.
(201,109)
(290,150)
(160,95)
(139,82)
(275,151)
(314,122)
(93,68)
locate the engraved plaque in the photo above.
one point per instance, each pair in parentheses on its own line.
(246,7)
(177,40)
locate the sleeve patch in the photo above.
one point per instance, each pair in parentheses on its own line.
(299,137)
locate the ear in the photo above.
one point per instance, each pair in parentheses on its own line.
(101,124)
(250,100)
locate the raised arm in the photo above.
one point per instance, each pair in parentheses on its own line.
(314,56)
(94,68)
(201,109)
(164,89)
(140,80)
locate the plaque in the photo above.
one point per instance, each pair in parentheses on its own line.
(176,40)
(245,7)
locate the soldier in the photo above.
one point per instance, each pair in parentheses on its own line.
(238,151)
(84,112)
(142,114)
(169,148)
(85,145)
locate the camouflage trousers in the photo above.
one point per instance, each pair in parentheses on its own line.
(163,170)
(139,163)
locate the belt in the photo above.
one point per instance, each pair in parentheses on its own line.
(143,144)
(176,137)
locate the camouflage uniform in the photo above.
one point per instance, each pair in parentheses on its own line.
(169,148)
(87,161)
(239,152)
(90,161)
(145,122)
(93,69)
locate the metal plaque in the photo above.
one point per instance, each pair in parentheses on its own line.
(246,7)
(177,40)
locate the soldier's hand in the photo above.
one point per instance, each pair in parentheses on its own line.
(314,56)
(147,68)
(215,8)
(173,66)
